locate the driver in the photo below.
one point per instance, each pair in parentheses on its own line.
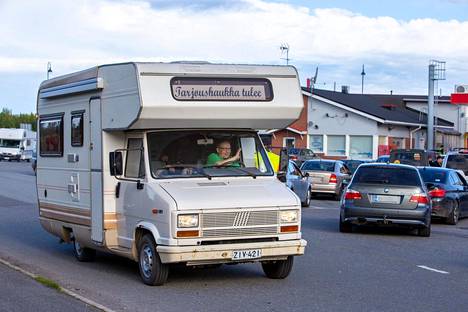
(222,157)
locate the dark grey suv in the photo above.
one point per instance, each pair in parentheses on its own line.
(386,194)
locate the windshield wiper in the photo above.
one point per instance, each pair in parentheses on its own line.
(253,175)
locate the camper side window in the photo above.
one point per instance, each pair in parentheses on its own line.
(135,163)
(51,136)
(77,129)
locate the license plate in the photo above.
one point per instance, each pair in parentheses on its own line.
(385,199)
(246,254)
(316,180)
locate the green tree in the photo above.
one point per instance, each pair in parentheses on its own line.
(8,120)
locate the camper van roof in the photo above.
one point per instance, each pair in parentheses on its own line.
(11,133)
(184,94)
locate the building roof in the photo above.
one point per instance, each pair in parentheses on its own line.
(390,109)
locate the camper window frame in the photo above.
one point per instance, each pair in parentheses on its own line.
(75,114)
(48,118)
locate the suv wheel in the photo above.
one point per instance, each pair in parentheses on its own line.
(425,231)
(345,227)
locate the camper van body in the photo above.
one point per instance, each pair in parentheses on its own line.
(87,119)
(17,144)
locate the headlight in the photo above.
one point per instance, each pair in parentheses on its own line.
(187,221)
(288,216)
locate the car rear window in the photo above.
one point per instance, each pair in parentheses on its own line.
(386,175)
(409,158)
(433,176)
(307,152)
(319,166)
(458,161)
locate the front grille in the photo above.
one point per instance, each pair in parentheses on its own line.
(240,223)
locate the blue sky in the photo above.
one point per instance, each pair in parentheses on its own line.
(394,39)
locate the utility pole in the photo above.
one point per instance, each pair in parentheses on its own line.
(436,72)
(363,73)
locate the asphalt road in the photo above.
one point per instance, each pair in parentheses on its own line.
(369,270)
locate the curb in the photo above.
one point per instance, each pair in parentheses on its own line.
(64,290)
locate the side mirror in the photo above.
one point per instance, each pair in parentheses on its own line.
(305,175)
(345,182)
(115,163)
(281,175)
(284,160)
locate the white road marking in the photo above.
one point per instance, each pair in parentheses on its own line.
(433,270)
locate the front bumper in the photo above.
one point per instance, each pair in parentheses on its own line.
(222,253)
(361,216)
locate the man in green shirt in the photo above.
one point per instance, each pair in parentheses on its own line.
(222,157)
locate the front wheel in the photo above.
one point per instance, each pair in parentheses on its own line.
(152,271)
(279,269)
(83,254)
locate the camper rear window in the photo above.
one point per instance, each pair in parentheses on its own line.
(51,136)
(77,130)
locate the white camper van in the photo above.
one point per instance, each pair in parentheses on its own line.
(161,163)
(17,144)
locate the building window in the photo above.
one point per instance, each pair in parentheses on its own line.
(51,136)
(135,166)
(316,143)
(336,145)
(360,147)
(289,142)
(77,129)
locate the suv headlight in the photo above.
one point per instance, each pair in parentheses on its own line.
(187,221)
(288,216)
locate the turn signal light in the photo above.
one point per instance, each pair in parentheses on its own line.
(437,193)
(351,194)
(187,233)
(289,228)
(419,198)
(332,178)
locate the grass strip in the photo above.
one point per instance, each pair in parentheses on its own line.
(48,283)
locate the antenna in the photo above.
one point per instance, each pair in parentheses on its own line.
(49,69)
(284,48)
(363,73)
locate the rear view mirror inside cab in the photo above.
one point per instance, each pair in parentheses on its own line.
(205,141)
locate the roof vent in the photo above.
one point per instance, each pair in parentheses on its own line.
(345,89)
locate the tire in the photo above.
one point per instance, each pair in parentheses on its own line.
(346,227)
(152,271)
(425,231)
(306,203)
(278,269)
(83,254)
(454,215)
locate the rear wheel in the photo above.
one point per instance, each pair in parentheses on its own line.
(346,227)
(306,203)
(278,269)
(425,231)
(152,271)
(454,215)
(83,254)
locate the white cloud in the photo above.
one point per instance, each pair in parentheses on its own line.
(77,34)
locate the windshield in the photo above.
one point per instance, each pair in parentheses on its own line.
(318,166)
(207,153)
(10,143)
(458,162)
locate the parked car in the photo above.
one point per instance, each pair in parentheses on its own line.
(383,159)
(413,157)
(298,182)
(299,155)
(353,164)
(448,191)
(386,194)
(457,159)
(327,176)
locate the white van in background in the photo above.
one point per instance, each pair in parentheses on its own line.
(17,144)
(129,163)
